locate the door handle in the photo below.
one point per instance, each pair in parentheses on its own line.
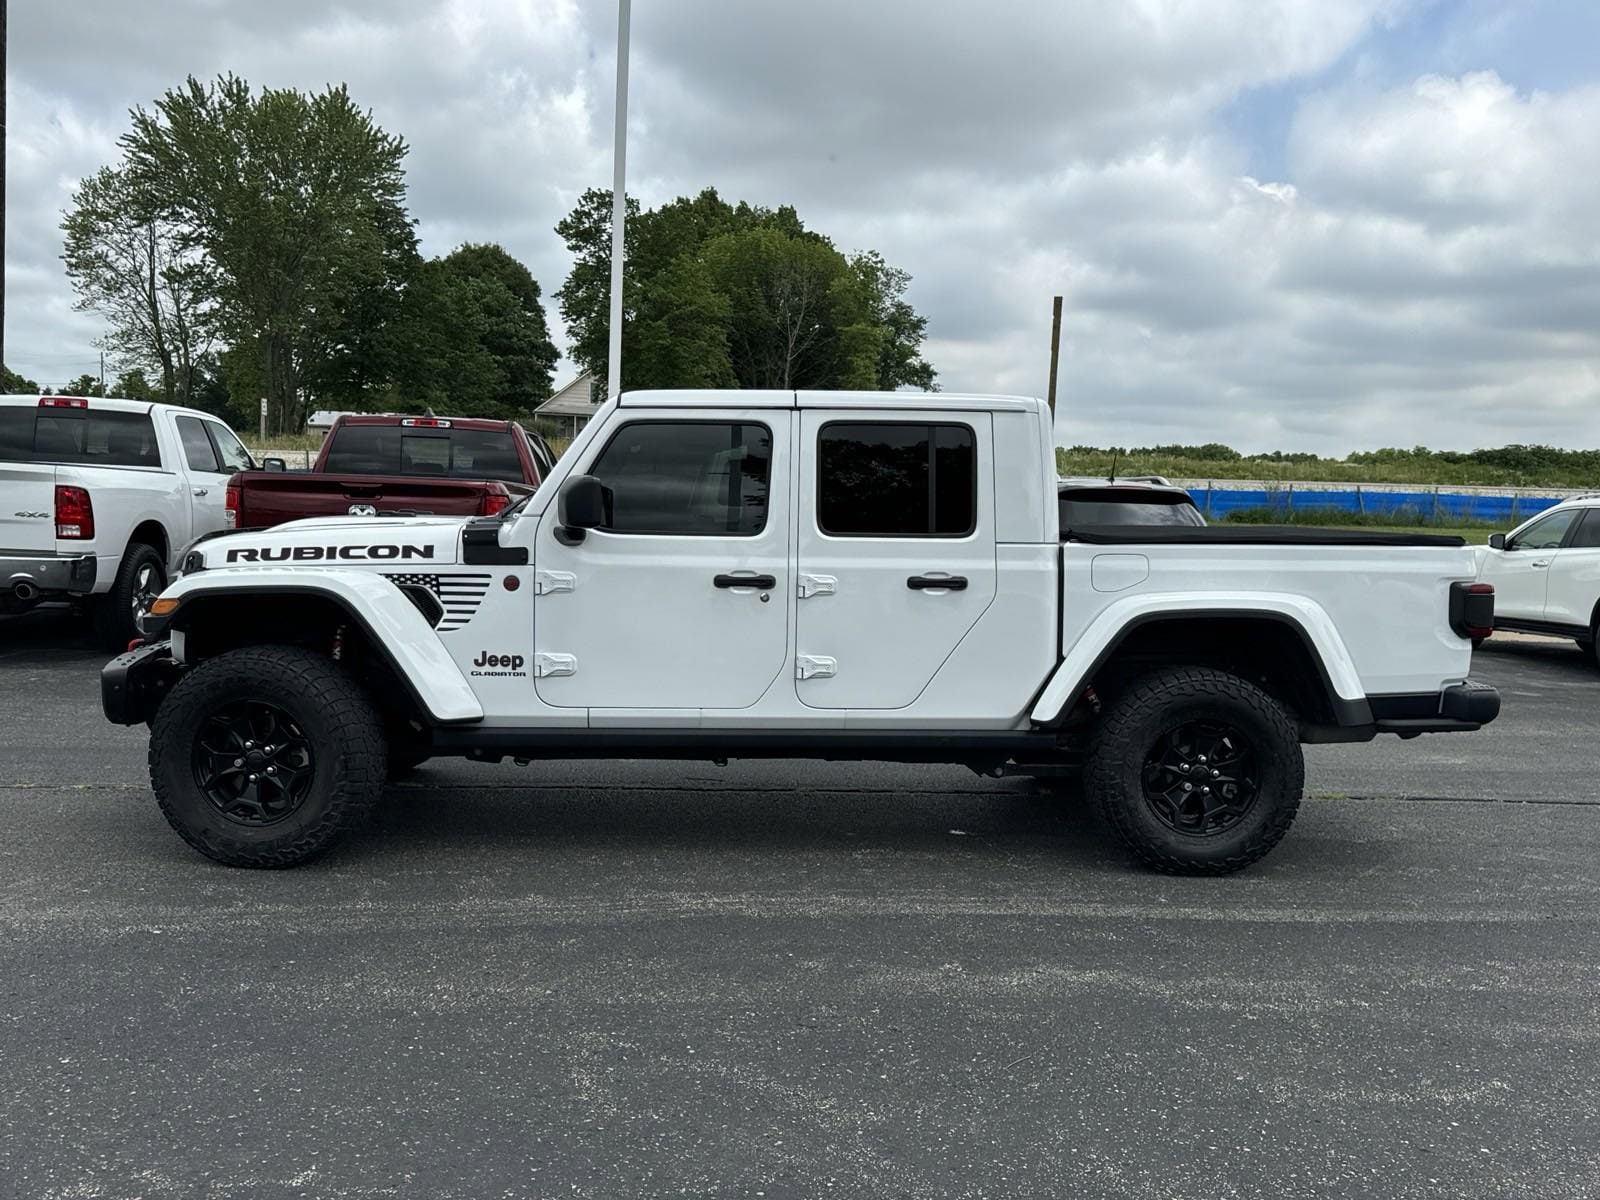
(764,582)
(928,583)
(1543,562)
(200,491)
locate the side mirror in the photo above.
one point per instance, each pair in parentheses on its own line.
(274,464)
(584,503)
(1497,541)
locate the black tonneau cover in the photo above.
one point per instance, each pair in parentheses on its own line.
(1248,535)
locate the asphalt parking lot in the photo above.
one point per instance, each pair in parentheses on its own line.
(799,980)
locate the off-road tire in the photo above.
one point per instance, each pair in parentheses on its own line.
(1130,730)
(112,613)
(338,720)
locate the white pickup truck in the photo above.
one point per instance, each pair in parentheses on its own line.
(833,575)
(98,497)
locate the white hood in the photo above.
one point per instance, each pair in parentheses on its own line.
(339,541)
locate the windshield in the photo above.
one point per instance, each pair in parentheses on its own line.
(1125,506)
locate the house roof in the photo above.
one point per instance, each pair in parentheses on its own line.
(575,399)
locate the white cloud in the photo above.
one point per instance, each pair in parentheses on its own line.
(1427,268)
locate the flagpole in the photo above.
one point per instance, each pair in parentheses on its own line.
(619,203)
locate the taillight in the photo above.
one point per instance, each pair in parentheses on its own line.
(63,402)
(230,507)
(425,423)
(494,502)
(74,513)
(1472,610)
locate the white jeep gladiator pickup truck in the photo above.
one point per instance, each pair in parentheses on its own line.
(866,576)
(98,497)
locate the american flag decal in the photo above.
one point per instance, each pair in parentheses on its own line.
(459,594)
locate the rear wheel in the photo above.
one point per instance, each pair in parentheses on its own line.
(1199,772)
(141,577)
(266,756)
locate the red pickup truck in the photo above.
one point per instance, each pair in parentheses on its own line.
(384,465)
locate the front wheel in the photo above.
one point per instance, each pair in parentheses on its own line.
(1199,772)
(141,577)
(266,756)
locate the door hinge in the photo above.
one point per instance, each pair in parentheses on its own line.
(815,666)
(546,665)
(817,585)
(545,582)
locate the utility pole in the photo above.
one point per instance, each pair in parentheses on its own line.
(619,203)
(1055,353)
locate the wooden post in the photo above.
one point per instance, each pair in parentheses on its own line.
(1055,351)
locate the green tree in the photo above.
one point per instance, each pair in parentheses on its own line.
(798,316)
(585,296)
(503,296)
(472,337)
(83,385)
(12,384)
(716,294)
(128,264)
(133,385)
(297,203)
(900,361)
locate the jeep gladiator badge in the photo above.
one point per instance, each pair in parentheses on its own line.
(511,664)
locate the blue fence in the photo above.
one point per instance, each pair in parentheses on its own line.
(1408,507)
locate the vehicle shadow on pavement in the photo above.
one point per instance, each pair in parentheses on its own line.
(51,633)
(1561,654)
(1005,817)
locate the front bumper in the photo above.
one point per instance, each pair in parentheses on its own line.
(132,685)
(1458,708)
(47,573)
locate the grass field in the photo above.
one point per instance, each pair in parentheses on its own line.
(1320,470)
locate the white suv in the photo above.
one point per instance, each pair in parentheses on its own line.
(1546,573)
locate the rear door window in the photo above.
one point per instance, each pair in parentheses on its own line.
(899,479)
(198,451)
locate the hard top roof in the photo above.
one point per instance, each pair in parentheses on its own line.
(765,398)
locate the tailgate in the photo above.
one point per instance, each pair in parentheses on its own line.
(271,498)
(27,507)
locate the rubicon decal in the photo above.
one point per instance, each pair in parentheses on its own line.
(499,664)
(327,553)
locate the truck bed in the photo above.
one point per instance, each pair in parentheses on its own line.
(1249,535)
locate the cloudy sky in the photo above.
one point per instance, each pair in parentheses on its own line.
(1299,224)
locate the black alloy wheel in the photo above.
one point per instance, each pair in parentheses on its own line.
(1201,778)
(252,763)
